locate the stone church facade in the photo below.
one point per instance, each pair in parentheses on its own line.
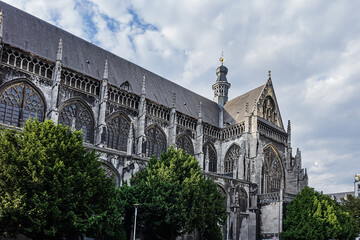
(128,113)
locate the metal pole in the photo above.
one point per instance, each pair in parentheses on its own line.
(136,206)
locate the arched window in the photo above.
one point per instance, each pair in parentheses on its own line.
(273,172)
(77,116)
(231,157)
(210,155)
(117,133)
(185,143)
(155,142)
(268,110)
(20,102)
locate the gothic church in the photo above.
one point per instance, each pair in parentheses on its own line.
(128,113)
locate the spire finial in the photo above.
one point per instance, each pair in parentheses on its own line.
(106,70)
(173,99)
(200,109)
(222,59)
(1,24)
(60,50)
(143,90)
(269,74)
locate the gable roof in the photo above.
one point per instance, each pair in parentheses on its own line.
(40,38)
(235,109)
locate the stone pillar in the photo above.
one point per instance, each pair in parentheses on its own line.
(130,141)
(1,31)
(173,122)
(206,167)
(101,128)
(141,119)
(56,77)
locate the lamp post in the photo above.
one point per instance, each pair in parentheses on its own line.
(136,205)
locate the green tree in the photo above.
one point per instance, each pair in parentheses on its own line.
(352,205)
(312,215)
(52,187)
(175,198)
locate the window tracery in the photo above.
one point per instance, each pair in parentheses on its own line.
(232,155)
(118,129)
(185,143)
(155,142)
(269,110)
(76,116)
(210,154)
(273,172)
(20,102)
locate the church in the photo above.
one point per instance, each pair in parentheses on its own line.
(128,113)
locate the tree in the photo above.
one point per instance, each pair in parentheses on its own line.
(52,187)
(351,205)
(311,215)
(175,198)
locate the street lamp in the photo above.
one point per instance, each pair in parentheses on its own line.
(136,205)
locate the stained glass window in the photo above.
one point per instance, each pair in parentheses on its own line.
(273,171)
(231,157)
(20,102)
(185,143)
(155,142)
(117,133)
(210,155)
(77,116)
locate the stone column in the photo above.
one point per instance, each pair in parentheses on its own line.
(141,138)
(199,142)
(173,122)
(101,128)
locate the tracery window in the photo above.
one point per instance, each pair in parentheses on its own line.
(231,157)
(77,116)
(268,110)
(210,155)
(20,102)
(185,143)
(117,133)
(155,142)
(273,173)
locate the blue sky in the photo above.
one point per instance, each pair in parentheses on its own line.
(311,47)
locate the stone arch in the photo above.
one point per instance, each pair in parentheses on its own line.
(126,86)
(231,157)
(111,172)
(184,142)
(118,127)
(155,142)
(20,100)
(210,157)
(273,176)
(77,114)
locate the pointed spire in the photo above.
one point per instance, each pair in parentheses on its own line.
(143,87)
(200,110)
(269,76)
(1,25)
(173,99)
(289,127)
(106,70)
(60,50)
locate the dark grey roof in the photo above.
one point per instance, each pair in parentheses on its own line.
(235,108)
(36,36)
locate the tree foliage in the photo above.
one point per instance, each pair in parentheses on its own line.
(51,186)
(351,204)
(312,215)
(175,198)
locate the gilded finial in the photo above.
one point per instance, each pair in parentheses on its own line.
(222,59)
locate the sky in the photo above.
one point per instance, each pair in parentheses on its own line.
(311,47)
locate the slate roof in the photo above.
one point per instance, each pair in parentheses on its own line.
(36,36)
(236,107)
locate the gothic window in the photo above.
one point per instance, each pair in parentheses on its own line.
(210,155)
(117,133)
(125,86)
(77,116)
(231,158)
(185,143)
(268,110)
(20,102)
(155,142)
(273,172)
